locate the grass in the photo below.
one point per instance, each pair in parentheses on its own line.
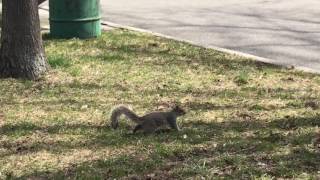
(245,119)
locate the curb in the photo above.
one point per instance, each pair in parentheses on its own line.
(229,51)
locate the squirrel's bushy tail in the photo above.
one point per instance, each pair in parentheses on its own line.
(118,111)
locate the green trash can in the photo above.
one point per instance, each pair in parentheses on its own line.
(75,18)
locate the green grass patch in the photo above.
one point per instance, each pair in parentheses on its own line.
(242,78)
(59,61)
(245,120)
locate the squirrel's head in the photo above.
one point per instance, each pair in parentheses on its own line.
(178,110)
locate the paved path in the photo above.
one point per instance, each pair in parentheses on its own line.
(286,31)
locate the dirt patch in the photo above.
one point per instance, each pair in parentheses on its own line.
(312,104)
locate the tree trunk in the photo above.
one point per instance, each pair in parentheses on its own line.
(22,52)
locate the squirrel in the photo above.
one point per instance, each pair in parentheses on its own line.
(150,122)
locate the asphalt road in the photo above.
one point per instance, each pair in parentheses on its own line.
(286,31)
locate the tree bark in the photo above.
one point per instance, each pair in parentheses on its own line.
(22,52)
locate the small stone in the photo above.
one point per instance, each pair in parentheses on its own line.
(185,136)
(214,145)
(84,107)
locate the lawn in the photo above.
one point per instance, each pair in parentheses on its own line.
(245,119)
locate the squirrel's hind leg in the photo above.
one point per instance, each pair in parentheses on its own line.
(138,127)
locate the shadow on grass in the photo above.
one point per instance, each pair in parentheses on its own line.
(99,169)
(170,52)
(297,162)
(257,148)
(181,59)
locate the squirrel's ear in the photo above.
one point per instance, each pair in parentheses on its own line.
(176,107)
(179,110)
(176,104)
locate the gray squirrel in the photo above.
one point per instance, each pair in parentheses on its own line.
(150,122)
